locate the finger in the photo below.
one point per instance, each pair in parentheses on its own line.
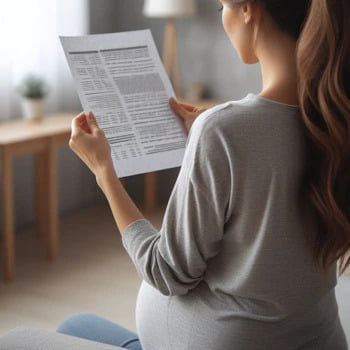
(92,123)
(80,118)
(84,125)
(173,101)
(178,109)
(76,129)
(188,107)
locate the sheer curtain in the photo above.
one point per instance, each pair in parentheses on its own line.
(29,44)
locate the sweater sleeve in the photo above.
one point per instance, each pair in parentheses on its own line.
(174,259)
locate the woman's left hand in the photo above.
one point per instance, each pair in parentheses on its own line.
(89,142)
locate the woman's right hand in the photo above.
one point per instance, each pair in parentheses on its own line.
(188,113)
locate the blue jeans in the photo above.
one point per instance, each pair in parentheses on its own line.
(98,329)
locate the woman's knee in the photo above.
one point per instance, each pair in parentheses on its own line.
(78,324)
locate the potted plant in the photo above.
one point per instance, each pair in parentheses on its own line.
(33,89)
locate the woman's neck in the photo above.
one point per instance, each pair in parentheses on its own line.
(279,72)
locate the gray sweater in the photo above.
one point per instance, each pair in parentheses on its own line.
(231,266)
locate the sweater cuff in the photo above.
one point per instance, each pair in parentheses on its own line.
(135,230)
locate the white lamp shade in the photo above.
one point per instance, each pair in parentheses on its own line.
(169,8)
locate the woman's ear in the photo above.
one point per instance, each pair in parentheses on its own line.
(247,13)
(251,11)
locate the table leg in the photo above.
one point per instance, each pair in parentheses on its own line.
(51,200)
(150,192)
(8,216)
(40,185)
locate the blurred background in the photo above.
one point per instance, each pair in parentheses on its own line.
(29,43)
(92,273)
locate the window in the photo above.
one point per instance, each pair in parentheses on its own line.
(29,44)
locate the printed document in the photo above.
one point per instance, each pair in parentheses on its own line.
(121,79)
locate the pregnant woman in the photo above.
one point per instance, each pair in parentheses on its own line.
(257,226)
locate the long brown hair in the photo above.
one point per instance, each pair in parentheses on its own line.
(321,29)
(323,61)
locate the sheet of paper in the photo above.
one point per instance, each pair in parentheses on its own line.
(121,79)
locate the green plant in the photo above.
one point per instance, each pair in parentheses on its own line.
(33,87)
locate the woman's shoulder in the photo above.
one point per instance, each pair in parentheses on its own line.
(251,112)
(214,129)
(222,116)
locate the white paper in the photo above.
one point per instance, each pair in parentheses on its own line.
(121,79)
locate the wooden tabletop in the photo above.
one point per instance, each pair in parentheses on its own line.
(17,130)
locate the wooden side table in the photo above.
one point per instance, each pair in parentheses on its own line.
(20,137)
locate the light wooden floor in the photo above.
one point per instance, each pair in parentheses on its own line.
(93,274)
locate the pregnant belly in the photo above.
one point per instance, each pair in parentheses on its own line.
(197,321)
(151,318)
(191,321)
(165,322)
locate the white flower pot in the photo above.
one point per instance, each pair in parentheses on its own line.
(33,109)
